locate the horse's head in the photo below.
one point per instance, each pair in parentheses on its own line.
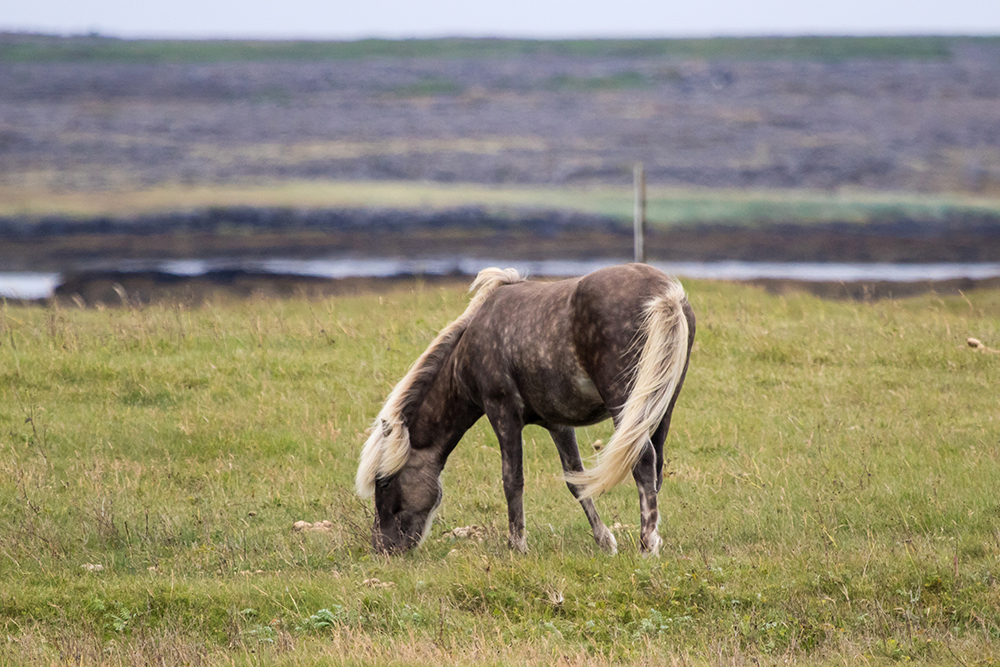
(405,504)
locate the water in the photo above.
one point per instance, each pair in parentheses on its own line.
(26,285)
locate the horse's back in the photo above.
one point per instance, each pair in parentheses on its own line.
(560,348)
(517,348)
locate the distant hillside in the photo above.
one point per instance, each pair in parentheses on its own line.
(898,114)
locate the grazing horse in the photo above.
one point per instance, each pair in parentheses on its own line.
(558,354)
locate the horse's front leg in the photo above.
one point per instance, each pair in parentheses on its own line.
(508,427)
(569,454)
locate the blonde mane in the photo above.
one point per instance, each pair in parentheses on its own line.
(388,447)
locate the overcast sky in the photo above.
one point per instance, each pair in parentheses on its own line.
(340,19)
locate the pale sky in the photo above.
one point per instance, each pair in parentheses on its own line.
(353,19)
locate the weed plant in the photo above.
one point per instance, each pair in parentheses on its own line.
(830,494)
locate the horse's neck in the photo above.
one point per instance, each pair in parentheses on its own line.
(444,413)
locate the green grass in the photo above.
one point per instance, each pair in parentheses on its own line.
(429,87)
(619,81)
(668,206)
(830,494)
(16,48)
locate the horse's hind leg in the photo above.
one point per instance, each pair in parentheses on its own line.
(569,454)
(644,473)
(508,429)
(648,474)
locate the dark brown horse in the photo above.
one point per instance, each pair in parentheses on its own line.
(561,354)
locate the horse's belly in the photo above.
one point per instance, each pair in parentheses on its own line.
(573,401)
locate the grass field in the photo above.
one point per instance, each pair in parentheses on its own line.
(32,198)
(15,48)
(830,494)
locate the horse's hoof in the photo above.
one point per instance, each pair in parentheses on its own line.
(650,547)
(606,540)
(518,544)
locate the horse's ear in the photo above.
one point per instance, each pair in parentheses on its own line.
(386,428)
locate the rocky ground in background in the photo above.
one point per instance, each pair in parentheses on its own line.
(59,244)
(928,124)
(920,124)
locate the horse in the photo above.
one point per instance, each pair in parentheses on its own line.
(561,354)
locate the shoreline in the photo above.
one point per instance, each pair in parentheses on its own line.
(141,288)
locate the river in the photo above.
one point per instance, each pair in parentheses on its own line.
(40,285)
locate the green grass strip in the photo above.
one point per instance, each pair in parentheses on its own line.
(22,48)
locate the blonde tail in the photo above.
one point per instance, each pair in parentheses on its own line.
(657,375)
